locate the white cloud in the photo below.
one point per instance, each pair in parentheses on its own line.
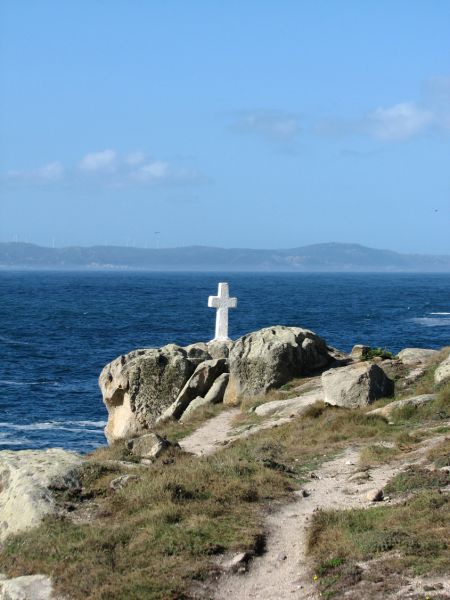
(98,161)
(275,126)
(110,170)
(48,173)
(51,172)
(135,158)
(157,169)
(398,122)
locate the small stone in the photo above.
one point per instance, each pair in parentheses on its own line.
(314,476)
(119,482)
(375,495)
(282,556)
(305,493)
(239,562)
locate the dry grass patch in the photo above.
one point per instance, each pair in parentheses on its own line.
(436,410)
(440,454)
(158,533)
(156,536)
(415,533)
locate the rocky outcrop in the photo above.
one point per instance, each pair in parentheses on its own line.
(269,358)
(138,387)
(386,411)
(150,445)
(27,587)
(415,356)
(145,387)
(290,406)
(442,373)
(213,396)
(29,475)
(359,352)
(356,385)
(198,385)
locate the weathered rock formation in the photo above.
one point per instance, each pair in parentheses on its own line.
(386,411)
(356,385)
(28,475)
(27,587)
(442,373)
(269,358)
(138,387)
(415,356)
(199,384)
(147,386)
(214,396)
(150,445)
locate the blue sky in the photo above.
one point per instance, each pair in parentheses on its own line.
(255,124)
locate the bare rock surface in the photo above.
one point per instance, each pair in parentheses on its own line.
(386,411)
(197,385)
(359,351)
(138,387)
(25,479)
(414,356)
(270,357)
(356,385)
(442,373)
(28,587)
(150,445)
(291,406)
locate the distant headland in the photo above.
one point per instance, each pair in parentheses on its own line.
(327,257)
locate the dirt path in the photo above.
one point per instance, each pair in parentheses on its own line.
(282,572)
(222,429)
(212,435)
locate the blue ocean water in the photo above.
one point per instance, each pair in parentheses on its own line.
(57,331)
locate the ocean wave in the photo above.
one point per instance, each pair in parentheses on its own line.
(432,321)
(14,342)
(83,426)
(6,440)
(86,423)
(28,383)
(440,313)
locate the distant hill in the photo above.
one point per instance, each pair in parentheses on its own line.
(316,257)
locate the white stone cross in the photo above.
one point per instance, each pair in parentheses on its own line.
(222,302)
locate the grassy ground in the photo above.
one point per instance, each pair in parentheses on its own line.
(158,535)
(369,552)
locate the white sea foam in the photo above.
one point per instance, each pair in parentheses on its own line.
(5,439)
(27,383)
(8,340)
(86,423)
(440,313)
(433,321)
(83,426)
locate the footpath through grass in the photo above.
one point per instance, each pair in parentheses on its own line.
(157,537)
(368,553)
(159,534)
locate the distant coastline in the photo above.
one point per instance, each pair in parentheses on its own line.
(327,257)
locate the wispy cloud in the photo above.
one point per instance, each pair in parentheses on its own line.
(398,122)
(109,168)
(98,161)
(272,125)
(135,158)
(401,121)
(48,173)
